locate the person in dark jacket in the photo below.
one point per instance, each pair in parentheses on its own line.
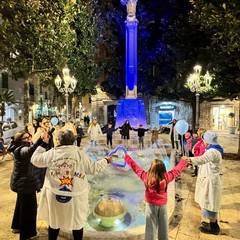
(109,131)
(141,132)
(125,128)
(35,124)
(25,181)
(80,134)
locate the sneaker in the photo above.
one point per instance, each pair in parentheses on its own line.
(15,231)
(209,229)
(204,224)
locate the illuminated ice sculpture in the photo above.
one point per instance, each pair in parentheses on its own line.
(131,108)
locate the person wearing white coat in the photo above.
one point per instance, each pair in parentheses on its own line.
(94,130)
(64,197)
(208,184)
(174,136)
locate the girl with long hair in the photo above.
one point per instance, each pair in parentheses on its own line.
(125,128)
(156,180)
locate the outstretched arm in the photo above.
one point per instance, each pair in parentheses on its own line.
(172,174)
(135,167)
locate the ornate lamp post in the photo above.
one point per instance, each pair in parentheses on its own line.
(198,83)
(69,84)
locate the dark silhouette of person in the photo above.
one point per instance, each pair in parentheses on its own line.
(125,128)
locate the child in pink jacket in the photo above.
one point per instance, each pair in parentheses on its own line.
(199,148)
(188,144)
(156,180)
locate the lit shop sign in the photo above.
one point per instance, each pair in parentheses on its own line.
(167,107)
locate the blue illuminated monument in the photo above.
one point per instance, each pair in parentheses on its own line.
(131,108)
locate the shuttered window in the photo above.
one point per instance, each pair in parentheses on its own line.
(5,80)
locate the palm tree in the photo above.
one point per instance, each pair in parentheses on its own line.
(6,97)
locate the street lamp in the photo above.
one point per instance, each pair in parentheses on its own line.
(69,85)
(198,83)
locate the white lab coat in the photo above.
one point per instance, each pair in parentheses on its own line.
(94,131)
(66,176)
(209,184)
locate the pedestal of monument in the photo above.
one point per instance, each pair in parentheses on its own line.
(132,110)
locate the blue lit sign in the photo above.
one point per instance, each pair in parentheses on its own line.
(167,107)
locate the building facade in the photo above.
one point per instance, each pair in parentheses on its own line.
(217,115)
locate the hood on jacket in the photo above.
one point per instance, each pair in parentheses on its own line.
(215,146)
(16,144)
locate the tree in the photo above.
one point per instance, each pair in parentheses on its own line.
(38,38)
(221,20)
(83,55)
(112,16)
(30,38)
(168,44)
(6,98)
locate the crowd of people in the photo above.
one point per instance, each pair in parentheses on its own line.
(48,158)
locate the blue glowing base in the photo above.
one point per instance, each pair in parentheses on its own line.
(132,110)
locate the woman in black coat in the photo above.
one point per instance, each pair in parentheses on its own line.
(26,180)
(125,128)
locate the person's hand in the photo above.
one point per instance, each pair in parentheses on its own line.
(186,158)
(110,159)
(45,137)
(42,132)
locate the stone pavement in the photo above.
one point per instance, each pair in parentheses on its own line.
(187,214)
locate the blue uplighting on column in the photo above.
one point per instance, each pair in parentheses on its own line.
(131,108)
(131,54)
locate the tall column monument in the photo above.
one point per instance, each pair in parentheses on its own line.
(131,108)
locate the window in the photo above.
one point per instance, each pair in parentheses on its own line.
(31,89)
(5,80)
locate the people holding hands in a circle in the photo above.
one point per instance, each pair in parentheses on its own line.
(124,131)
(64,199)
(208,184)
(156,181)
(141,132)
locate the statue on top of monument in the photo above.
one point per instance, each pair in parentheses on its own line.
(131,9)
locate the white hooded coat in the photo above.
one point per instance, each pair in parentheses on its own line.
(64,197)
(209,184)
(94,130)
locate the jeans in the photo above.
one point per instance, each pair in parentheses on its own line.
(94,143)
(209,214)
(156,221)
(109,140)
(141,142)
(79,141)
